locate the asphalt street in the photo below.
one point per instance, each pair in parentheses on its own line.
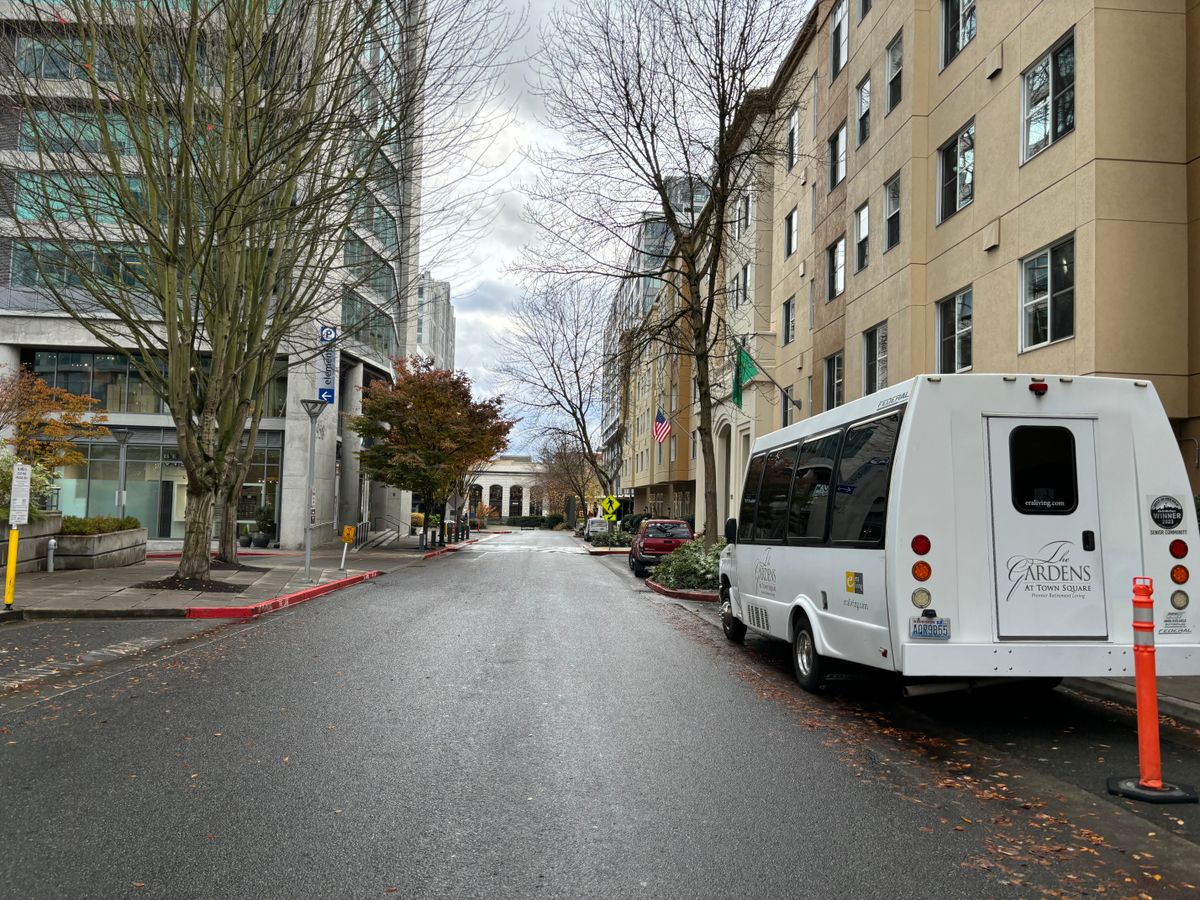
(518,719)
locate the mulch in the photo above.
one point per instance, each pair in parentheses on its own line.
(175,583)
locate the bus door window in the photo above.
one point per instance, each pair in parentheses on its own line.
(810,490)
(746,516)
(772,520)
(860,499)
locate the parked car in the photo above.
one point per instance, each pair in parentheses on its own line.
(655,538)
(594,525)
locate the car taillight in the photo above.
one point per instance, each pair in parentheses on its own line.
(1178,549)
(1179,574)
(921,545)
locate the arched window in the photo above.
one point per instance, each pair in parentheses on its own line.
(535,506)
(516,496)
(474,498)
(496,498)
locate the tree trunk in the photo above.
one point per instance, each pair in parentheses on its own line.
(704,389)
(227,545)
(197,536)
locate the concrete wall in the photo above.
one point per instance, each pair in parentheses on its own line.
(31,542)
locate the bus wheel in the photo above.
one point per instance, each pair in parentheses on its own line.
(809,665)
(734,628)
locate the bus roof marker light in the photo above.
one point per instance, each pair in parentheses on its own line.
(1039,388)
(1009,378)
(1066,379)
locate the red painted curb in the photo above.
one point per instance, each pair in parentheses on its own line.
(702,596)
(608,551)
(449,548)
(252,610)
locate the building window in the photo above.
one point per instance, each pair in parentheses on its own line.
(672,448)
(895,68)
(816,83)
(785,407)
(864,110)
(812,303)
(746,283)
(839,39)
(958,27)
(861,238)
(954,333)
(789,233)
(837,157)
(875,349)
(813,220)
(864,7)
(793,130)
(744,216)
(957,163)
(835,268)
(660,454)
(833,380)
(674,397)
(1049,92)
(695,441)
(891,212)
(733,293)
(789,319)
(1048,295)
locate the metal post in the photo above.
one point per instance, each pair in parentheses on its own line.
(314,408)
(121,436)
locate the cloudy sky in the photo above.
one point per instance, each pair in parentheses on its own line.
(483,284)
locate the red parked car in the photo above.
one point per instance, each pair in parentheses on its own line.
(656,538)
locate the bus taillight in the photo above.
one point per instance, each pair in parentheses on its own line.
(921,545)
(1179,574)
(1178,549)
(921,571)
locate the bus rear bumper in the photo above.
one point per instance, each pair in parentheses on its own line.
(1041,659)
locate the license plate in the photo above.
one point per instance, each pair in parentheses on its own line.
(936,629)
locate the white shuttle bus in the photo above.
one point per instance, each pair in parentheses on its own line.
(969,527)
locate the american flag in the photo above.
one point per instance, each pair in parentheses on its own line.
(662,427)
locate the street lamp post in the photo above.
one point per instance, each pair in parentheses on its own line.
(121,436)
(314,408)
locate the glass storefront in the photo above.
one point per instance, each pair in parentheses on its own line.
(156,483)
(118,386)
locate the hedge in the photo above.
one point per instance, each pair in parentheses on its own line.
(98,524)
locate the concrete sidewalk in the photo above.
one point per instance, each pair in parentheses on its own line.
(110,593)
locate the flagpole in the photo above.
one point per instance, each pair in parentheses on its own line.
(782,390)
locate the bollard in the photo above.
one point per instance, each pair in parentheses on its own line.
(51,546)
(1148,784)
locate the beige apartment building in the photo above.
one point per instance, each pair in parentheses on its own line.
(1009,186)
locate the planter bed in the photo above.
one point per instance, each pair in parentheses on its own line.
(101,551)
(701,596)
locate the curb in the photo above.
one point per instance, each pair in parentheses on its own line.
(700,596)
(1177,708)
(276,603)
(449,548)
(608,551)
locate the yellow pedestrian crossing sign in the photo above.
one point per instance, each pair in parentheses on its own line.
(610,505)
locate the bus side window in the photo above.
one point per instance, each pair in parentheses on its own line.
(810,490)
(860,497)
(771,524)
(746,517)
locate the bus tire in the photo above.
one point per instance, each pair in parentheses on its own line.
(808,664)
(734,628)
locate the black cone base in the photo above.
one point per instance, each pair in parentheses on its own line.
(1170,793)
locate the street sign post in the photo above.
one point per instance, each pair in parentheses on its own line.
(327,369)
(347,540)
(18,514)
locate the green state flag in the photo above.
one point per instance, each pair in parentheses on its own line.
(743,370)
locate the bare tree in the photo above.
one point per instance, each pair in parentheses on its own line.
(567,471)
(666,110)
(552,364)
(200,181)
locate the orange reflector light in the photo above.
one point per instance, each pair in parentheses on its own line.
(922,570)
(1178,549)
(921,545)
(1179,574)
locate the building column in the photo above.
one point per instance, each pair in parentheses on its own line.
(350,493)
(294,504)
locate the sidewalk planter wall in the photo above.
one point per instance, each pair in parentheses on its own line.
(31,545)
(101,551)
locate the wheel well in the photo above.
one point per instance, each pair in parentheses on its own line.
(798,616)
